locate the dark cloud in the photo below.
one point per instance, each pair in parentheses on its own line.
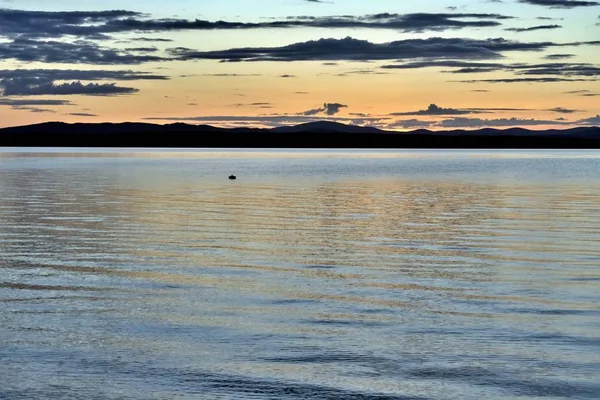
(37,24)
(33,82)
(462,122)
(328,108)
(362,72)
(33,102)
(563,110)
(146,39)
(254,105)
(141,49)
(33,105)
(226,75)
(534,28)
(78,52)
(33,109)
(590,121)
(558,56)
(433,109)
(26,29)
(82,114)
(562,69)
(446,64)
(561,3)
(351,49)
(584,93)
(99,25)
(73,74)
(36,87)
(527,80)
(416,22)
(545,72)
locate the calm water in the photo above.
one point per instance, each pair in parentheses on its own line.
(316,275)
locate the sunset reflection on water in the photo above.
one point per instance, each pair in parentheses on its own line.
(431,275)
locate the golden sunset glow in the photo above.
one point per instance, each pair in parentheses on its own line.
(402,67)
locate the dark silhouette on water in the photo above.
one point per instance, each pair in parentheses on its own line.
(232,177)
(323,134)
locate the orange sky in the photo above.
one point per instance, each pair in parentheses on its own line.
(286,75)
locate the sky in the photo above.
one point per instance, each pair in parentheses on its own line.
(397,65)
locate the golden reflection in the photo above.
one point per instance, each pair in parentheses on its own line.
(373,241)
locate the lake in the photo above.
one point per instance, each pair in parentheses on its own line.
(351,274)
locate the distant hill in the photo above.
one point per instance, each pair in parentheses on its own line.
(325,127)
(321,134)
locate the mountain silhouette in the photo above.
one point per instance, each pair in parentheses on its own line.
(326,127)
(320,134)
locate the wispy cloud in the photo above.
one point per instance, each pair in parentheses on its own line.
(561,3)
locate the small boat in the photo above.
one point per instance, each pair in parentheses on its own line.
(232,177)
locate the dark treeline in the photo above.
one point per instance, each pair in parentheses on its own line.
(183,135)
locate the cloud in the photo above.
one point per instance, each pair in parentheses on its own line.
(150,39)
(100,24)
(254,105)
(558,56)
(351,49)
(564,69)
(561,3)
(142,49)
(33,109)
(328,108)
(567,70)
(46,24)
(563,110)
(446,64)
(78,52)
(433,109)
(584,93)
(461,122)
(33,82)
(74,74)
(33,102)
(410,124)
(415,22)
(82,114)
(264,120)
(37,87)
(527,80)
(272,120)
(226,75)
(590,121)
(534,28)
(33,105)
